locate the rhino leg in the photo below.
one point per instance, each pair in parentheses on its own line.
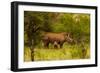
(55,44)
(61,45)
(46,44)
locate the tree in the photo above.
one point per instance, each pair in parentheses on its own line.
(32,24)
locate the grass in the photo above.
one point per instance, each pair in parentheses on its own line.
(66,53)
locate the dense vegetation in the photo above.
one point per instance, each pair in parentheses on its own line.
(36,23)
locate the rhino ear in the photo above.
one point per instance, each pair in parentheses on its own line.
(67,34)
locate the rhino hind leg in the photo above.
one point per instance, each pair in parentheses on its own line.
(46,44)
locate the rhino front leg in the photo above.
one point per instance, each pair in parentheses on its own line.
(61,45)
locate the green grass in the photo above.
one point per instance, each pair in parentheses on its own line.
(66,53)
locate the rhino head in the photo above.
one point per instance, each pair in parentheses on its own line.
(69,38)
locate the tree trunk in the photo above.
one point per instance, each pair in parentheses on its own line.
(32,50)
(32,54)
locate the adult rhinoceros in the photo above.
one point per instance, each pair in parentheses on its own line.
(56,39)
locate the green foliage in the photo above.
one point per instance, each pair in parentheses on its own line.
(68,52)
(37,22)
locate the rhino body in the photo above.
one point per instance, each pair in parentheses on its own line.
(57,39)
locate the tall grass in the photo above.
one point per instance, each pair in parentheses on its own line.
(66,53)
